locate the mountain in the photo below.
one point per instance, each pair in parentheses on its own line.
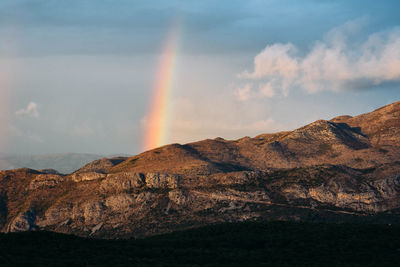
(343,170)
(62,162)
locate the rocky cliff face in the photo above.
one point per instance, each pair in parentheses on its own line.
(338,170)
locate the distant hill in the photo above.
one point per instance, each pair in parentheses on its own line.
(342,170)
(62,162)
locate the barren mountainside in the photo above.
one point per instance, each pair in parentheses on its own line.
(345,169)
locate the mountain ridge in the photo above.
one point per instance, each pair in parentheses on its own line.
(285,144)
(344,169)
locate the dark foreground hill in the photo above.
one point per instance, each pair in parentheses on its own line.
(235,244)
(343,170)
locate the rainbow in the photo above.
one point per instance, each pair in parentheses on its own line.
(156,124)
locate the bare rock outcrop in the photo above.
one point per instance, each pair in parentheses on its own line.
(25,221)
(349,190)
(93,212)
(45,180)
(123,181)
(120,203)
(87,176)
(162,180)
(178,197)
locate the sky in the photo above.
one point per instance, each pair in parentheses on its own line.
(80,76)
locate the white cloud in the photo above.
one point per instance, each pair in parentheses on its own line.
(31,110)
(245,92)
(267,90)
(275,60)
(336,63)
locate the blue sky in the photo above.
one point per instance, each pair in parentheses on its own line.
(78,75)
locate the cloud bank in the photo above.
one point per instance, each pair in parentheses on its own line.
(336,63)
(31,110)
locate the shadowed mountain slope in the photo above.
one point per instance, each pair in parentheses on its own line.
(382,126)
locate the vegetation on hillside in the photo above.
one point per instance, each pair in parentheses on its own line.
(234,244)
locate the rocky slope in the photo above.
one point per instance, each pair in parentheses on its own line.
(346,169)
